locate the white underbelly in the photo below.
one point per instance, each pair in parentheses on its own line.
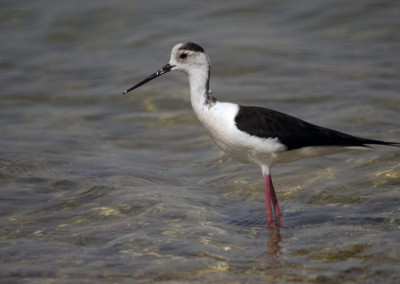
(219,122)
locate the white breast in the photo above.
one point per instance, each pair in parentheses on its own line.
(219,122)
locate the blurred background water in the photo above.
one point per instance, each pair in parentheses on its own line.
(96,187)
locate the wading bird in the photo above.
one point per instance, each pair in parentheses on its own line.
(251,134)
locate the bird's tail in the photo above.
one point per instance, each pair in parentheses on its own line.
(379,142)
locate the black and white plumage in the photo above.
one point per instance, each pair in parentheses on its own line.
(292,132)
(253,135)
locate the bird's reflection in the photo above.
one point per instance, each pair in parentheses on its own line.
(270,257)
(270,233)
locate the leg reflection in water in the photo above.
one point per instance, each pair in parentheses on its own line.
(270,257)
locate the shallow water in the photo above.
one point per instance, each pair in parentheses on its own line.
(100,187)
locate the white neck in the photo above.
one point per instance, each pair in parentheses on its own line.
(200,95)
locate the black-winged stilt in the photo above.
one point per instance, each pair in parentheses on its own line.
(253,135)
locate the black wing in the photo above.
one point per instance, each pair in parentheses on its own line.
(294,133)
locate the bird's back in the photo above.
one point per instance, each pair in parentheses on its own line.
(295,133)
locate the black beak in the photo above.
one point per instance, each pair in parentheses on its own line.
(163,70)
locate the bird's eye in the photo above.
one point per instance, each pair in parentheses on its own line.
(183,56)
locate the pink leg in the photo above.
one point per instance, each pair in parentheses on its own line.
(270,218)
(275,200)
(270,196)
